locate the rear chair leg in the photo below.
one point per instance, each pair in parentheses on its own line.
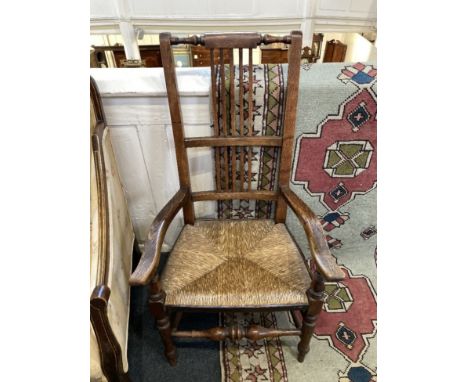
(156,304)
(315,296)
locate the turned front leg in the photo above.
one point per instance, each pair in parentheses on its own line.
(156,304)
(315,296)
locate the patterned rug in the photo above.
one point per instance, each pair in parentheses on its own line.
(335,162)
(252,360)
(267,120)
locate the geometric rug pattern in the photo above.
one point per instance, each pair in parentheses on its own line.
(268,101)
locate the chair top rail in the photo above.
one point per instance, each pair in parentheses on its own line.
(231,40)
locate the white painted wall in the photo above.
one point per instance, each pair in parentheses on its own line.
(266,16)
(358,9)
(240,9)
(103,9)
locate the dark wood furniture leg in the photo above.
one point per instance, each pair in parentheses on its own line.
(315,296)
(156,304)
(109,348)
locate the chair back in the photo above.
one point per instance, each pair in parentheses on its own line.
(235,136)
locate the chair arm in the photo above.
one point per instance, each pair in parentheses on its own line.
(149,261)
(321,255)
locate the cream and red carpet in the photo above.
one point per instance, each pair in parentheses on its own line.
(335,162)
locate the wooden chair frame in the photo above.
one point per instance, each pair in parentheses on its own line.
(110,351)
(323,264)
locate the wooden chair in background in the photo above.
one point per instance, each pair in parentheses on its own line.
(244,264)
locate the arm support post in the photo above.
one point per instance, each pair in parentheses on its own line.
(149,261)
(321,255)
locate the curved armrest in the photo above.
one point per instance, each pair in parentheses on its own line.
(325,262)
(149,262)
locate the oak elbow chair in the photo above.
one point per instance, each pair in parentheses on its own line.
(235,264)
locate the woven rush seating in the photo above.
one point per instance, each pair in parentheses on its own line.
(235,264)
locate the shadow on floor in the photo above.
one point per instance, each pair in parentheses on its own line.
(197,360)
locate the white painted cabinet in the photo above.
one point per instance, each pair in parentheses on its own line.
(137,112)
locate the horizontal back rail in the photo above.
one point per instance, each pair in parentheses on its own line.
(233,141)
(244,195)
